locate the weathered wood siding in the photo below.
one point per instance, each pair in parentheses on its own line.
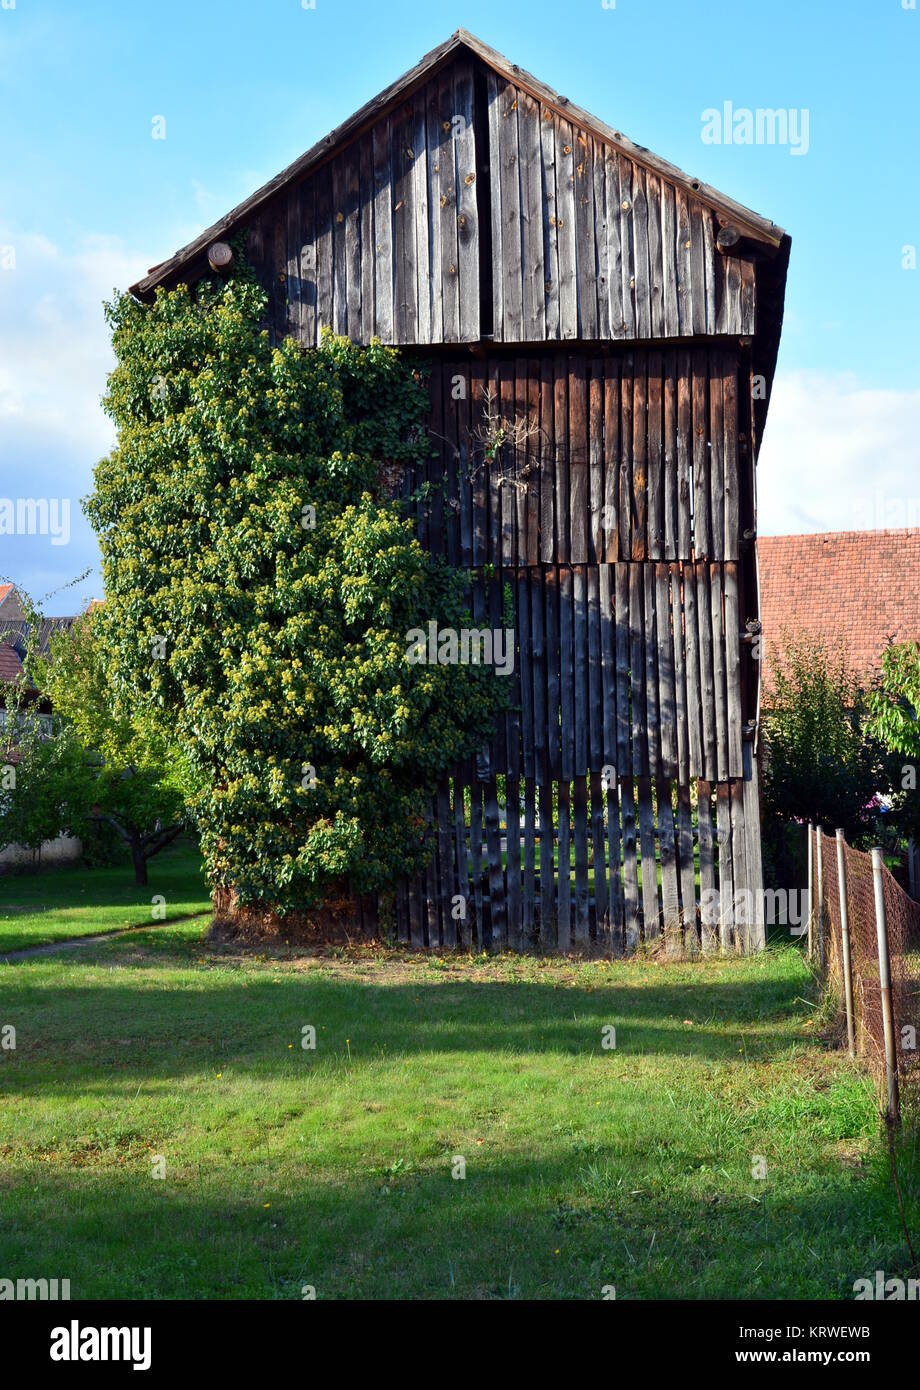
(473,211)
(589,244)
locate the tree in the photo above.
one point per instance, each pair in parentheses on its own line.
(47,792)
(132,776)
(260,586)
(823,763)
(894,705)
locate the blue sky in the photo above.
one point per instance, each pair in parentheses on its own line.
(88,199)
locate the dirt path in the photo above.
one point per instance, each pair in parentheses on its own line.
(51,948)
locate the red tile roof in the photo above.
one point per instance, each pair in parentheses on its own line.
(10,665)
(4,590)
(853,589)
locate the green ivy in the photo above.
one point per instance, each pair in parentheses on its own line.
(260,584)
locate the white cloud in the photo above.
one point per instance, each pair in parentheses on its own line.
(838,455)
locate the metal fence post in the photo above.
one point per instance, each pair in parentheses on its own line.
(884,975)
(811,893)
(819,879)
(845,940)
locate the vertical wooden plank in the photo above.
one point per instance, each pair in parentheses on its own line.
(630,866)
(599,848)
(432,884)
(547,870)
(438,147)
(526,670)
(534,290)
(505,493)
(611,460)
(578,461)
(325,253)
(580,817)
(667,693)
(353,252)
(477,463)
(601,239)
(533,461)
(495,202)
(670,899)
(405,282)
(709,915)
(684,279)
(640,253)
(707,684)
(733,669)
(685,860)
(640,764)
(622,639)
(669,258)
(627,250)
(497,916)
(547,469)
(679,640)
(567,675)
(476,855)
(731,463)
(726,878)
(538,662)
(758,938)
(585,259)
(655,268)
(614,247)
(383,232)
(656,463)
(669,459)
(292,221)
(742,905)
(551,594)
(650,643)
(595,673)
(684,455)
(510,266)
(564,879)
(650,911)
(709,270)
(566,230)
(580,633)
(692,650)
(307,241)
(513,863)
(748,298)
(595,426)
(639,516)
(550,228)
(339,166)
(366,160)
(561,430)
(718,672)
(716,460)
(615,876)
(422,222)
(463,863)
(436,528)
(530,861)
(702,534)
(520,484)
(626,446)
(608,668)
(697,270)
(467,204)
(445,262)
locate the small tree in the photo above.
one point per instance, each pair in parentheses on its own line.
(894,705)
(131,777)
(260,587)
(47,792)
(822,762)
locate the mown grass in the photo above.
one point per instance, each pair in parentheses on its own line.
(332,1167)
(36,909)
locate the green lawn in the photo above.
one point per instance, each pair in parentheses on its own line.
(286,1167)
(53,906)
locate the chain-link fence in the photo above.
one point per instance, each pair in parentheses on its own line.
(864,932)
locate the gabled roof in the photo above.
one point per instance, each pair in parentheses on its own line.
(854,590)
(750,224)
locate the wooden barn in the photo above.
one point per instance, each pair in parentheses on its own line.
(616,323)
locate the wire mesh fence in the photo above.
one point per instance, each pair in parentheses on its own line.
(865,933)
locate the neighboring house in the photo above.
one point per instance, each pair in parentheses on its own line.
(619,320)
(853,590)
